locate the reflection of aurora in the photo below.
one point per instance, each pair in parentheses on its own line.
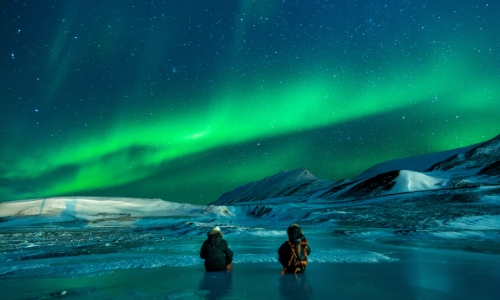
(242,117)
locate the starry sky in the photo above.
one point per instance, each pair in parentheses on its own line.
(185,100)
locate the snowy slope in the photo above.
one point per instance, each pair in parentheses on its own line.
(92,207)
(479,157)
(88,210)
(389,183)
(270,190)
(491,170)
(457,169)
(409,181)
(419,163)
(296,183)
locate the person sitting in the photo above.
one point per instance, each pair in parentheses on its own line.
(215,251)
(294,253)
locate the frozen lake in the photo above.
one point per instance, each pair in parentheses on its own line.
(340,268)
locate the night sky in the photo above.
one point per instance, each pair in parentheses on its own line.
(186,100)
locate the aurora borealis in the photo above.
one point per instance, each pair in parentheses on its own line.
(187,100)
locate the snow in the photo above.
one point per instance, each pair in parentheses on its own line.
(492,200)
(477,222)
(297,183)
(349,256)
(409,181)
(97,245)
(240,220)
(92,207)
(462,235)
(418,163)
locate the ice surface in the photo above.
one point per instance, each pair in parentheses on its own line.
(173,270)
(80,248)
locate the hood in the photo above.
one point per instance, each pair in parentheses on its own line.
(215,230)
(215,238)
(295,234)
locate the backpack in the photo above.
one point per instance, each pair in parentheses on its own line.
(298,261)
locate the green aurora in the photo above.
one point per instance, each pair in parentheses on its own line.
(185,102)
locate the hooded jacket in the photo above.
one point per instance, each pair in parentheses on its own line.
(216,252)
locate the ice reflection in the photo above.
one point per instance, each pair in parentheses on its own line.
(295,286)
(216,284)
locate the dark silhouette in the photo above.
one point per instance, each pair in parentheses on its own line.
(293,254)
(216,252)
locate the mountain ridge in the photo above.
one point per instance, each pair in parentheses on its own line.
(468,167)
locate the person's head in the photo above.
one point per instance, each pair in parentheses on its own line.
(215,230)
(215,236)
(295,233)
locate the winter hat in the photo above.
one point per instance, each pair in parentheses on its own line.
(214,230)
(294,232)
(294,227)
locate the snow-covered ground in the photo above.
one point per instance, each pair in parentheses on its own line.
(92,208)
(423,210)
(80,247)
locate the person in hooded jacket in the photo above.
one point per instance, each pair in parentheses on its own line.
(215,251)
(294,253)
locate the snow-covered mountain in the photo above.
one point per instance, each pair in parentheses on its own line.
(298,183)
(461,187)
(481,156)
(98,211)
(451,195)
(392,182)
(419,163)
(491,170)
(469,167)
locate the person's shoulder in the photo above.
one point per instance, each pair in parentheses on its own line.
(284,249)
(285,244)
